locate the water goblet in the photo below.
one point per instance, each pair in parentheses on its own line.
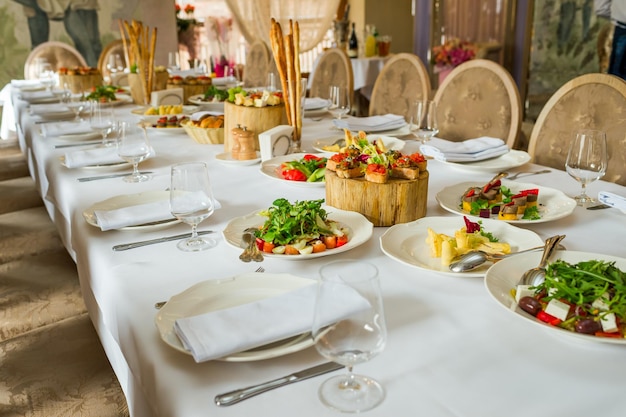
(355,338)
(424,120)
(191,201)
(133,147)
(46,75)
(587,160)
(102,120)
(78,104)
(339,101)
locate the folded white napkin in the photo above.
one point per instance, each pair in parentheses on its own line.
(470,150)
(613,200)
(371,123)
(65,128)
(37,96)
(220,333)
(26,85)
(48,108)
(315,103)
(134,215)
(96,156)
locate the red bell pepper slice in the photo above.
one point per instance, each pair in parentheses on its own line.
(548,318)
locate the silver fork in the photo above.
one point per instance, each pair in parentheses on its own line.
(162,303)
(527,173)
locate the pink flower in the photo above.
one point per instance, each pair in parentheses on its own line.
(452,53)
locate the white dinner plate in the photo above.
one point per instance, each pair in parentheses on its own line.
(97,166)
(390,142)
(140,111)
(359,231)
(206,105)
(502,277)
(315,103)
(552,204)
(406,242)
(166,130)
(227,159)
(511,159)
(129,200)
(270,168)
(213,295)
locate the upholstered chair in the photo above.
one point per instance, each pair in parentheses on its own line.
(590,101)
(403,80)
(479,98)
(58,54)
(333,68)
(258,64)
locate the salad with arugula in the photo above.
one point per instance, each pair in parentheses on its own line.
(300,228)
(309,168)
(590,296)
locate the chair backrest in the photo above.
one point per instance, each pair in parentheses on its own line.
(115,47)
(58,54)
(258,61)
(590,101)
(333,68)
(479,98)
(403,80)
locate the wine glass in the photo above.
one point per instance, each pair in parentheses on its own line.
(355,338)
(78,104)
(587,160)
(133,146)
(102,120)
(339,101)
(191,201)
(46,75)
(424,120)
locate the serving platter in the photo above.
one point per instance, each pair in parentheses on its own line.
(271,167)
(552,204)
(359,231)
(502,277)
(406,242)
(140,111)
(208,296)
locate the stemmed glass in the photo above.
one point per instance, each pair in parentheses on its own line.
(587,160)
(355,338)
(77,103)
(46,75)
(339,101)
(102,120)
(424,120)
(115,64)
(191,201)
(133,146)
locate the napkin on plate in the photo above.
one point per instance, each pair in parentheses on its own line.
(65,128)
(223,332)
(27,85)
(315,103)
(613,200)
(470,150)
(36,96)
(96,156)
(134,215)
(371,123)
(48,108)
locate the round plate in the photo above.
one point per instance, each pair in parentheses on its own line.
(227,159)
(315,103)
(207,105)
(153,119)
(553,204)
(511,159)
(166,130)
(502,277)
(390,142)
(129,200)
(140,111)
(406,243)
(214,295)
(270,168)
(359,231)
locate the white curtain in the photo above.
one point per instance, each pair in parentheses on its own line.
(314,17)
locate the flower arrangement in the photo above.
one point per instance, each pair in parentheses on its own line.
(452,53)
(182,23)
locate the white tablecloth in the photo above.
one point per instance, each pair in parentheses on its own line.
(451,351)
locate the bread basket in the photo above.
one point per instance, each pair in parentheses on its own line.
(203,135)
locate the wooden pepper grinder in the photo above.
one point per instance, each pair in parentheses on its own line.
(243,144)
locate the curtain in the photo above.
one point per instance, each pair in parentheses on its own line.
(315,18)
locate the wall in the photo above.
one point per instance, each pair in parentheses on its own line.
(16,39)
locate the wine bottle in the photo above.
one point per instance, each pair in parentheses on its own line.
(353,44)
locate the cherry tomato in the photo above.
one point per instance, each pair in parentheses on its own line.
(294,175)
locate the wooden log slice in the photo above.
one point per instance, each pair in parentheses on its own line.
(396,201)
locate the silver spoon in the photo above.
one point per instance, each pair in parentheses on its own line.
(474,259)
(536,276)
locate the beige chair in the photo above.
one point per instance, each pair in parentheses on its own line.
(115,47)
(590,101)
(258,64)
(58,54)
(333,68)
(479,98)
(403,80)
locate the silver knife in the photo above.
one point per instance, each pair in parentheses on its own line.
(233,397)
(71,145)
(106,177)
(133,245)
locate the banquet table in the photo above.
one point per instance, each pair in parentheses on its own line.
(451,350)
